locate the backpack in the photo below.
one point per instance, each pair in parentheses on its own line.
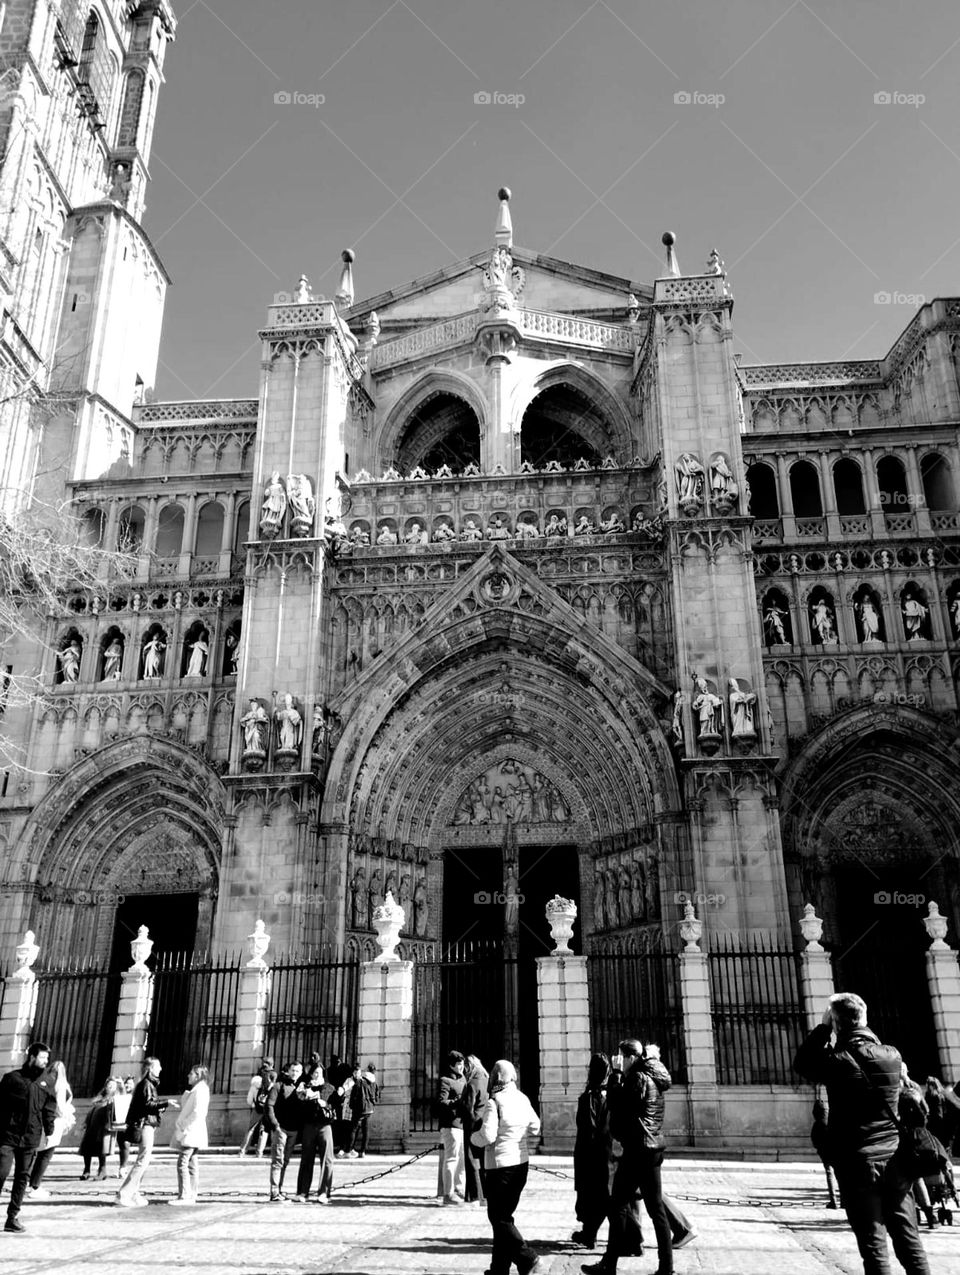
(267,1080)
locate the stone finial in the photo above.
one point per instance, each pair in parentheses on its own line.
(344,297)
(936,927)
(387,920)
(561,913)
(503,231)
(257,944)
(714,264)
(140,949)
(27,953)
(669,239)
(690,928)
(302,293)
(811,927)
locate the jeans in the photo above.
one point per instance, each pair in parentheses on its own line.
(473,1164)
(40,1166)
(21,1159)
(359,1128)
(282,1141)
(130,1186)
(877,1197)
(504,1188)
(453,1178)
(188,1173)
(639,1172)
(316,1138)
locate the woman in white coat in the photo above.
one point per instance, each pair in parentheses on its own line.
(190,1134)
(509,1121)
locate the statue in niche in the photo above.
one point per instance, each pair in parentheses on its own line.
(612,524)
(723,485)
(638,890)
(625,894)
(443,532)
(599,902)
(914,618)
(511,889)
(690,479)
(742,711)
(319,732)
(585,526)
(955,615)
(653,891)
(773,618)
(869,620)
(374,896)
(289,725)
(527,530)
(112,660)
(254,723)
(415,536)
(385,536)
(556,525)
(420,908)
(233,654)
(613,908)
(471,531)
(677,724)
(274,507)
(390,883)
(358,899)
(197,664)
(359,537)
(153,656)
(405,901)
(69,659)
(823,621)
(303,507)
(709,708)
(498,530)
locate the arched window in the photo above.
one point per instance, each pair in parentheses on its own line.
(443,430)
(169,531)
(88,51)
(92,527)
(95,74)
(242,526)
(937,483)
(561,424)
(892,481)
(764,500)
(777,627)
(209,529)
(130,110)
(805,490)
(848,487)
(130,530)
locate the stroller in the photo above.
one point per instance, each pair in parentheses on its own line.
(933,1191)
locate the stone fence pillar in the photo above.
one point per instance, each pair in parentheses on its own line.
(19,1005)
(943,977)
(133,1013)
(816,969)
(563,1009)
(385,1029)
(703,1097)
(253,995)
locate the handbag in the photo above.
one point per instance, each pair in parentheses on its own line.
(135,1131)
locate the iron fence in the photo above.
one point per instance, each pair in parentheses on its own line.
(75,1015)
(193,1018)
(758,1015)
(313,1006)
(638,995)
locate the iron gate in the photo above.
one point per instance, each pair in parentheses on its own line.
(637,995)
(758,1015)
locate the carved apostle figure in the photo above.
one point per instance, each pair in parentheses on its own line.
(677,725)
(709,708)
(822,619)
(955,615)
(742,710)
(613,908)
(254,723)
(625,894)
(471,531)
(869,620)
(318,737)
(386,536)
(556,526)
(405,901)
(153,656)
(289,725)
(112,660)
(374,895)
(638,890)
(358,899)
(420,908)
(274,506)
(690,479)
(69,659)
(511,889)
(914,617)
(723,486)
(773,618)
(303,507)
(197,664)
(599,902)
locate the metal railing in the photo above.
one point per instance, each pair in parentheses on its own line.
(758,1015)
(193,1018)
(76,1016)
(638,995)
(313,1006)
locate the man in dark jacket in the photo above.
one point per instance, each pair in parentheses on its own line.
(862,1079)
(636,1121)
(364,1097)
(28,1109)
(452,1169)
(283,1116)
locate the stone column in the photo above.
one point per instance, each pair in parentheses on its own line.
(816,970)
(253,996)
(19,1005)
(385,1038)
(943,978)
(563,1010)
(696,1005)
(136,1003)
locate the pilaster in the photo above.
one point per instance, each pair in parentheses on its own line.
(384,1037)
(563,1009)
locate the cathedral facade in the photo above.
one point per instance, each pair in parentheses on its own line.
(513,581)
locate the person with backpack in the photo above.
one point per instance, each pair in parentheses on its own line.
(364,1097)
(260,1085)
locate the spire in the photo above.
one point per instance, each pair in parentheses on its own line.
(668,239)
(503,232)
(344,297)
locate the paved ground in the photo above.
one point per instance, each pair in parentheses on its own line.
(752,1219)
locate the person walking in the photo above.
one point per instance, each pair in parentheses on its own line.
(364,1097)
(284,1117)
(190,1134)
(66,1119)
(862,1079)
(593,1160)
(508,1122)
(316,1136)
(472,1106)
(28,1111)
(260,1085)
(97,1136)
(143,1120)
(452,1179)
(121,1107)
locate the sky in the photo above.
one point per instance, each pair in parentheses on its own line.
(815,144)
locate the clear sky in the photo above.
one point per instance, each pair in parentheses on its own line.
(817,196)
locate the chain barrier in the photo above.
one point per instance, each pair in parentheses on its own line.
(748,1201)
(394,1168)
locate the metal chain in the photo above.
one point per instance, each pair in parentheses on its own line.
(712,1199)
(395,1168)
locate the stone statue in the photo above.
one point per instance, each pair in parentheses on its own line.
(153,656)
(822,619)
(443,532)
(914,618)
(612,524)
(197,664)
(302,294)
(709,707)
(638,891)
(773,618)
(585,526)
(613,909)
(497,530)
(403,898)
(358,899)
(233,654)
(626,894)
(385,536)
(723,486)
(359,536)
(471,531)
(690,479)
(303,507)
(289,725)
(599,902)
(955,615)
(677,725)
(742,710)
(527,530)
(511,888)
(274,507)
(420,908)
(869,620)
(415,536)
(319,732)
(714,264)
(556,526)
(254,724)
(69,659)
(374,895)
(112,661)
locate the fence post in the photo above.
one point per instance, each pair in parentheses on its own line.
(136,1002)
(703,1095)
(943,978)
(816,971)
(385,1029)
(563,1010)
(19,1004)
(253,994)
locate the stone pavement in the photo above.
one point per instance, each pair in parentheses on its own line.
(752,1219)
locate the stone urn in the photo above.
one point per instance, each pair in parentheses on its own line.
(811,927)
(561,914)
(27,953)
(257,944)
(936,927)
(140,949)
(690,928)
(387,921)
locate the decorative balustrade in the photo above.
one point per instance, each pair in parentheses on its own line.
(768,529)
(574,331)
(810,528)
(945,522)
(898,523)
(855,524)
(198,410)
(779,374)
(426,340)
(701,289)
